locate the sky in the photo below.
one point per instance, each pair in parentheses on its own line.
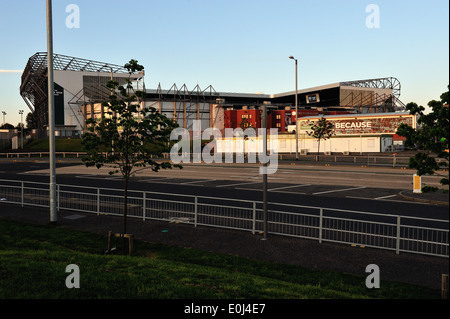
(237,45)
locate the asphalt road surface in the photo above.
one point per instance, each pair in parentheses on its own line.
(369,189)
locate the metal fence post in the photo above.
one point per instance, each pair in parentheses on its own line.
(21,183)
(195,211)
(444,286)
(254,219)
(397,246)
(320,225)
(98,201)
(144,201)
(57,201)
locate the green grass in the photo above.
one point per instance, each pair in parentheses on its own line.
(33,260)
(61,145)
(74,145)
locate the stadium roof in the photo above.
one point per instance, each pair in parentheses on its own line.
(33,88)
(68,63)
(391,83)
(356,115)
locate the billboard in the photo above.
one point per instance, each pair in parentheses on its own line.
(358,125)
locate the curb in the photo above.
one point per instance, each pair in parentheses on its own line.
(427,201)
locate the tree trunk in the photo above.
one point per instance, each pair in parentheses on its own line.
(125,212)
(318,151)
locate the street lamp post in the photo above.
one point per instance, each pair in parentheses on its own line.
(51,116)
(21,127)
(296,107)
(264,127)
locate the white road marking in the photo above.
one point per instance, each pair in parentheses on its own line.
(238,184)
(201,181)
(154,179)
(339,190)
(389,200)
(383,197)
(285,187)
(89,176)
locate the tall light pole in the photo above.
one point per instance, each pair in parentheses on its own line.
(51,116)
(264,127)
(21,127)
(296,107)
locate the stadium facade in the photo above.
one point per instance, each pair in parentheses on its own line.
(80,87)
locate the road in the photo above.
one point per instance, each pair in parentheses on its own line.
(369,189)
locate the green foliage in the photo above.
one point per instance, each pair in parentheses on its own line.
(30,121)
(7,126)
(322,130)
(430,138)
(125,137)
(61,145)
(245,123)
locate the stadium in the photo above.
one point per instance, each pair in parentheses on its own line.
(80,89)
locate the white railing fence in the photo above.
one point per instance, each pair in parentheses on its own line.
(392,232)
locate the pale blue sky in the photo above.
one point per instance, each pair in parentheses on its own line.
(238,45)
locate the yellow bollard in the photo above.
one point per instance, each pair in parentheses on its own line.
(417,184)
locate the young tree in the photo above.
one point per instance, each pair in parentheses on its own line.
(123,140)
(322,130)
(30,121)
(430,138)
(7,126)
(245,123)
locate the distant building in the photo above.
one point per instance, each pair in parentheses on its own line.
(354,133)
(5,137)
(357,133)
(80,89)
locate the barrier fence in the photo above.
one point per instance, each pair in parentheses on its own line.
(385,231)
(367,159)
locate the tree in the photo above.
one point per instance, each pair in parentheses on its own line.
(322,130)
(7,126)
(245,123)
(124,139)
(430,138)
(30,121)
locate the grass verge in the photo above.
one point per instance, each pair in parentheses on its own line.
(33,259)
(61,145)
